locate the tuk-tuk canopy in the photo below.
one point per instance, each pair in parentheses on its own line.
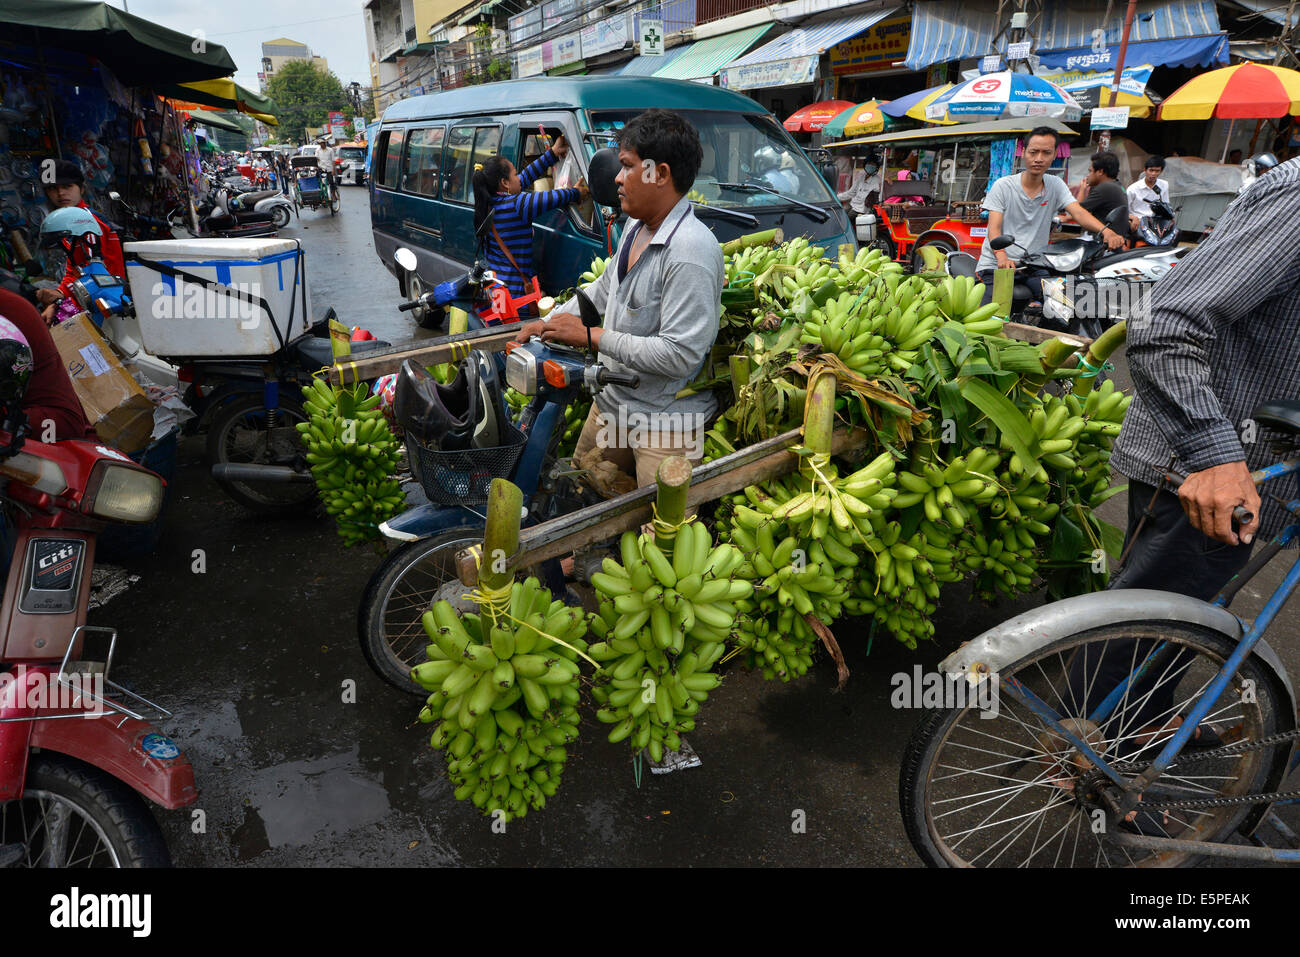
(947,135)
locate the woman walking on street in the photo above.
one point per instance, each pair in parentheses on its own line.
(500,188)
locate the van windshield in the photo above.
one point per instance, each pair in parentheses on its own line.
(739,148)
(352,153)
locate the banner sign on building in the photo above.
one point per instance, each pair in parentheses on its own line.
(566,49)
(753,76)
(606,35)
(1110,118)
(876,49)
(556,12)
(525,25)
(529,62)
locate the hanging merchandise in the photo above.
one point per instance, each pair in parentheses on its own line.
(146,157)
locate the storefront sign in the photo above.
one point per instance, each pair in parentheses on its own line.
(605,36)
(754,76)
(652,37)
(565,50)
(876,49)
(525,25)
(1018,51)
(529,62)
(556,12)
(1133,80)
(991,63)
(1110,118)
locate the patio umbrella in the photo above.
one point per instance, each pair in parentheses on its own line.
(1247,91)
(1002,94)
(813,117)
(913,105)
(858,121)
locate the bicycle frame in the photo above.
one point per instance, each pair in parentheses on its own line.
(1253,633)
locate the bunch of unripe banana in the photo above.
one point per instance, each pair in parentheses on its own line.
(353,455)
(594,272)
(878,331)
(663,622)
(505,695)
(958,299)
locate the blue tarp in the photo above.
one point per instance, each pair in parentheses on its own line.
(1189,51)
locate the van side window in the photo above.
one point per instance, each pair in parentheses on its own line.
(390,158)
(420,172)
(467,147)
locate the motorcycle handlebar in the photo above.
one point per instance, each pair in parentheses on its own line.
(629,379)
(412,305)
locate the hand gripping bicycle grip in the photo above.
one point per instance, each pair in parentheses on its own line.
(606,377)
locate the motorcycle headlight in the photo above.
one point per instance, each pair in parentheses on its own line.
(120,493)
(1065,262)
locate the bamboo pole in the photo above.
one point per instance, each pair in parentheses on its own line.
(674,481)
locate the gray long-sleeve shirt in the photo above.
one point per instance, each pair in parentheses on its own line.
(661,319)
(1223,336)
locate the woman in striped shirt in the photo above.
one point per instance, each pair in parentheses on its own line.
(498,186)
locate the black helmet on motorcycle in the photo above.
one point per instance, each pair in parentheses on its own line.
(469,412)
(15,364)
(1262,163)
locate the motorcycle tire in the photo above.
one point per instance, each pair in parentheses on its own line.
(393,639)
(918,264)
(243,416)
(280,216)
(108,824)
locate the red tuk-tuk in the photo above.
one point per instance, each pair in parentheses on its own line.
(956,223)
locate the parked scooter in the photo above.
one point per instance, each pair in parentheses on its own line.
(272,202)
(216,219)
(1085,287)
(78,754)
(1158,228)
(459,437)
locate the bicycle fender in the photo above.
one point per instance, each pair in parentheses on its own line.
(1018,637)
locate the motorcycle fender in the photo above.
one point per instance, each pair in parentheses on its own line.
(130,750)
(425,521)
(1025,634)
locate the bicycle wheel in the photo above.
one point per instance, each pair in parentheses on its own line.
(1008,791)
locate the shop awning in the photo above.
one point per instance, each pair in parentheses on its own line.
(945,30)
(1188,51)
(138,51)
(814,39)
(647,65)
(481,10)
(1065,26)
(224,94)
(704,58)
(215,120)
(1269,9)
(992,130)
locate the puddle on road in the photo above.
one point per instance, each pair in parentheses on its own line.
(297,802)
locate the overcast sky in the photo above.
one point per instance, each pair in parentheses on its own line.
(332,28)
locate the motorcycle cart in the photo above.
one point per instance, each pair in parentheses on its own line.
(311,188)
(955,224)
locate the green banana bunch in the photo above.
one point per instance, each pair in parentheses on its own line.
(958,298)
(575,417)
(505,696)
(664,620)
(878,331)
(352,454)
(596,270)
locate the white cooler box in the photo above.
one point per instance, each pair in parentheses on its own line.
(218,297)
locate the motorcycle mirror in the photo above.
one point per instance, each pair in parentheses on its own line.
(406,259)
(587,310)
(1003,241)
(1116,216)
(115,196)
(602,172)
(487,224)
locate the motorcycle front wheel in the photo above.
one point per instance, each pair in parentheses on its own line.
(74,815)
(280,216)
(398,594)
(238,434)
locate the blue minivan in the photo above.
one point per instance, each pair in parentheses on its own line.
(753,176)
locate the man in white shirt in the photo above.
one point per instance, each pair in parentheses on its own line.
(325,160)
(865,181)
(1146,191)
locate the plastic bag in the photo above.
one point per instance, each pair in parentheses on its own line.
(566,172)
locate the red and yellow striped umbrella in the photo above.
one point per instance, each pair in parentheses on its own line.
(812,118)
(1248,91)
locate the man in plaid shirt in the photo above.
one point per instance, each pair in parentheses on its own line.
(1222,336)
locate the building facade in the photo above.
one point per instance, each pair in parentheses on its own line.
(276,53)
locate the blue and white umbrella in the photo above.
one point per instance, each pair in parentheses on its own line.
(1004,95)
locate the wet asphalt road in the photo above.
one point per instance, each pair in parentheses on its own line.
(255,655)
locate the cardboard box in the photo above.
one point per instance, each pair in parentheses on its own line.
(114,402)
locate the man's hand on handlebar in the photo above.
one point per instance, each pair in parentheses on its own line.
(566,329)
(1003,259)
(1209,496)
(530,329)
(1112,239)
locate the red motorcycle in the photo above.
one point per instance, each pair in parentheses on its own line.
(77,752)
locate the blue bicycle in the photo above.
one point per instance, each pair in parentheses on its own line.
(1129,728)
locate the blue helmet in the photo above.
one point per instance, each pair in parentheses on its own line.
(71,222)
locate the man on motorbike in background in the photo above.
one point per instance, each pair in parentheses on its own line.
(68,189)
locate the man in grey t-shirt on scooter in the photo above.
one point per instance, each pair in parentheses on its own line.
(1023,204)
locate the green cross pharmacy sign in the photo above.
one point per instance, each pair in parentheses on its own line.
(652,38)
